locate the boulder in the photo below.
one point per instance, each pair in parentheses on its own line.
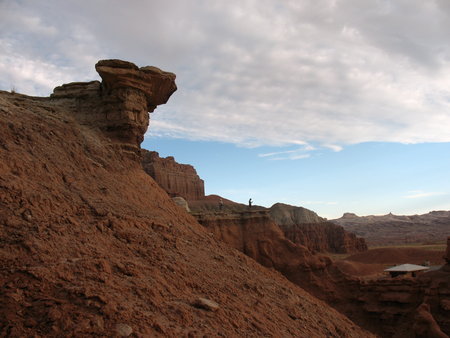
(180,201)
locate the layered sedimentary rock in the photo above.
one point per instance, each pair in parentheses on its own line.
(305,227)
(254,233)
(386,306)
(175,178)
(393,229)
(91,246)
(120,104)
(407,306)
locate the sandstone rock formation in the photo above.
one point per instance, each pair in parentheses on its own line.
(92,246)
(305,227)
(120,104)
(254,233)
(392,229)
(383,305)
(181,202)
(176,179)
(288,215)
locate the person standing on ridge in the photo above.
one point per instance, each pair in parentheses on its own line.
(250,203)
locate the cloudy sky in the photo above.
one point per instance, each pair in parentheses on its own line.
(336,105)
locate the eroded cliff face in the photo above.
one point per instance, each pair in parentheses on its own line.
(305,227)
(178,180)
(92,246)
(254,233)
(406,306)
(388,307)
(119,105)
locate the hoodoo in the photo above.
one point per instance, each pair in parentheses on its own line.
(120,104)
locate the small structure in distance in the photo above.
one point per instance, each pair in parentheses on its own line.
(406,268)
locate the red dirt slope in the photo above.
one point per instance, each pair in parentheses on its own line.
(91,246)
(398,256)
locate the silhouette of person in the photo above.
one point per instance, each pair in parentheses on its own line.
(250,203)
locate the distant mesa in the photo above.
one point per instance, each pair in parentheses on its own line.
(392,229)
(349,215)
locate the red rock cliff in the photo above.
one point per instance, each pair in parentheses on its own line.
(91,246)
(120,104)
(175,178)
(254,233)
(303,226)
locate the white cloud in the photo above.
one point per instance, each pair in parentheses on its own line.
(329,73)
(422,194)
(295,154)
(333,147)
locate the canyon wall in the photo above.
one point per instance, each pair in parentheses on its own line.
(305,227)
(390,307)
(255,234)
(178,180)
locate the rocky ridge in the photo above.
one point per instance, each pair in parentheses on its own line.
(92,246)
(305,227)
(392,229)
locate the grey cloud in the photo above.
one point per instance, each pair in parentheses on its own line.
(330,72)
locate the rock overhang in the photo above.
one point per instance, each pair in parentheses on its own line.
(157,85)
(119,105)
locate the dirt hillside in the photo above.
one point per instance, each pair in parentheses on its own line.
(91,246)
(399,255)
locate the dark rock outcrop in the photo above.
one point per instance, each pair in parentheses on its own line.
(120,104)
(305,227)
(175,178)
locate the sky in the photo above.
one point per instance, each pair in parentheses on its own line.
(334,105)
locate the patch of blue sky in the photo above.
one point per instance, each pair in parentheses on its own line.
(367,178)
